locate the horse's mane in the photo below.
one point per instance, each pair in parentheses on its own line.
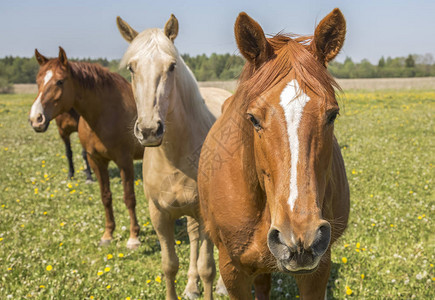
(91,75)
(290,52)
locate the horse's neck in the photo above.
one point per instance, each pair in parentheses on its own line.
(89,104)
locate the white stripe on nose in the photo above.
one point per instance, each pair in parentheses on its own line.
(293,101)
(37,105)
(47,77)
(36,108)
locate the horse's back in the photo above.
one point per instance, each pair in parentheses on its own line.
(214,99)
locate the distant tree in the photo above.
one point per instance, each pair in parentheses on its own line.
(410,62)
(381,62)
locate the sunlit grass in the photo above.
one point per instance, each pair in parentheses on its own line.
(50,226)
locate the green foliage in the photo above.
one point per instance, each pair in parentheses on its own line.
(48,220)
(24,69)
(215,67)
(411,66)
(229,67)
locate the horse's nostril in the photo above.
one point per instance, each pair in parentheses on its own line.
(277,246)
(160,129)
(40,118)
(321,243)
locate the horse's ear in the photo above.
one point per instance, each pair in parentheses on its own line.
(40,58)
(329,36)
(171,28)
(251,40)
(126,31)
(62,57)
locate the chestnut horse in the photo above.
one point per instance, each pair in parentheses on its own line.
(106,105)
(272,183)
(67,123)
(173,121)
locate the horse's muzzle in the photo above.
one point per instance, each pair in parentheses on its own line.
(40,124)
(150,137)
(296,256)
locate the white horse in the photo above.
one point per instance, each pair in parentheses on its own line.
(173,121)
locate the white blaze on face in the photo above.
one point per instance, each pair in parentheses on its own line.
(293,102)
(37,106)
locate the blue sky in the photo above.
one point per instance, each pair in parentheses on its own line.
(88,28)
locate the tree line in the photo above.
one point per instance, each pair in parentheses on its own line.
(228,67)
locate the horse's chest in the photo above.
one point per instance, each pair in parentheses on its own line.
(172,191)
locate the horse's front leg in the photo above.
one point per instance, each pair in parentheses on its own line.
(191,291)
(313,286)
(238,283)
(262,284)
(127,177)
(206,265)
(164,226)
(100,167)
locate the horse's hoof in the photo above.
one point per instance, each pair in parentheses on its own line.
(104,243)
(133,244)
(89,181)
(190,295)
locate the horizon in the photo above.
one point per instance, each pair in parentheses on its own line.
(88,29)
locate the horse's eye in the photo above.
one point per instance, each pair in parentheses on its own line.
(130,68)
(254,122)
(332,116)
(59,82)
(171,67)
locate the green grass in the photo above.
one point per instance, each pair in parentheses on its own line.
(387,140)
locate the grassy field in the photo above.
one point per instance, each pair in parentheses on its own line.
(50,226)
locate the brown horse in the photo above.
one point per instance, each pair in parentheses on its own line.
(107,108)
(67,123)
(272,183)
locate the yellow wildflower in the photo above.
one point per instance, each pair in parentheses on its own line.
(62,224)
(60,245)
(106,269)
(158,279)
(42,286)
(45,213)
(362,276)
(109,256)
(127,298)
(348,291)
(149,280)
(100,273)
(178,242)
(120,255)
(108,287)
(358,245)
(49,268)
(1,239)
(344,260)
